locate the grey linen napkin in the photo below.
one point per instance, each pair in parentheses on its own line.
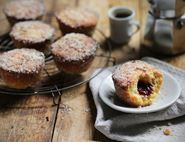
(142,127)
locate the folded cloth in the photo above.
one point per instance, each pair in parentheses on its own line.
(148,127)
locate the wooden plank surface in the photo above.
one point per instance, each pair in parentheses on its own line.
(25,118)
(76,122)
(34,118)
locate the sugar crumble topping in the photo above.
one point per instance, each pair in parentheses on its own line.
(22,60)
(77,17)
(24,9)
(74,46)
(126,71)
(33,31)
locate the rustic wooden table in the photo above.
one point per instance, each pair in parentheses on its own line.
(36,119)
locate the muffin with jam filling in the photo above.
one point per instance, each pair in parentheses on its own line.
(137,83)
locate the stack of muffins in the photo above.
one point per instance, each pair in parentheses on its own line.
(73,53)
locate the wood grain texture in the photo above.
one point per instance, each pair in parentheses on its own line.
(35,119)
(178,43)
(3,22)
(180,7)
(25,118)
(75,119)
(77,113)
(23,124)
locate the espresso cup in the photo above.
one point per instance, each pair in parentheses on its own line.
(122,24)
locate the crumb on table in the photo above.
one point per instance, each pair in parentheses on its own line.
(167,132)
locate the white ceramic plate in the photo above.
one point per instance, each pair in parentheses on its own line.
(169,93)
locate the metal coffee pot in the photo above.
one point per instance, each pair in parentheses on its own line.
(165,26)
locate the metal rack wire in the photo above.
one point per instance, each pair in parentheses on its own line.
(51,86)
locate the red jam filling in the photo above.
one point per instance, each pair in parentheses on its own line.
(144,89)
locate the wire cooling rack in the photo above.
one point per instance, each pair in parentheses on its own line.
(54,81)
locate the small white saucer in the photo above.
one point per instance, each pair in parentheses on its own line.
(169,93)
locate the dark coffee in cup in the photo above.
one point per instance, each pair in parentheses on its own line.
(122,15)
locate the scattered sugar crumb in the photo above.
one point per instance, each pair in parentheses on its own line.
(87,109)
(167,132)
(65,108)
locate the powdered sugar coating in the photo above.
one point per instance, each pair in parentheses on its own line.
(33,31)
(22,61)
(125,73)
(74,47)
(24,9)
(77,17)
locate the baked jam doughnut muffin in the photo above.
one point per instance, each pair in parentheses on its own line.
(77,21)
(74,52)
(32,34)
(23,10)
(21,68)
(137,83)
